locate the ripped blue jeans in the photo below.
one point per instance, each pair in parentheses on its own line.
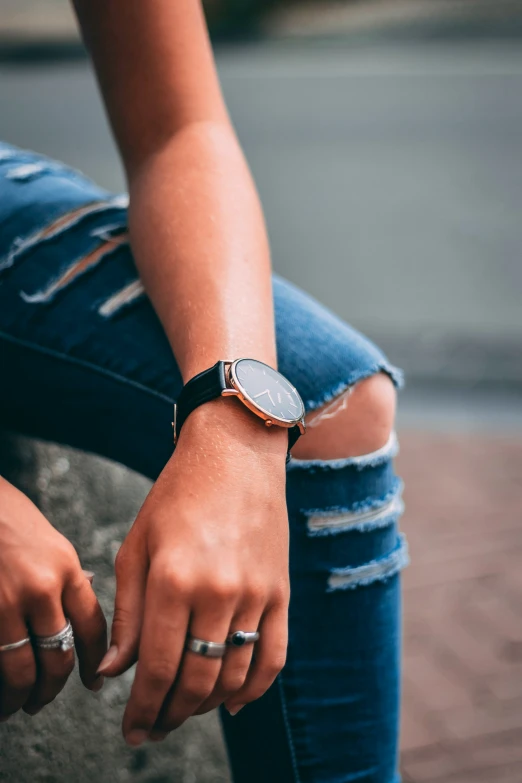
(84,361)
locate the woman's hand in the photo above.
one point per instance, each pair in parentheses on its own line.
(42,583)
(207,554)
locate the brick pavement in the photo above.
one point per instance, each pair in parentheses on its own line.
(462,697)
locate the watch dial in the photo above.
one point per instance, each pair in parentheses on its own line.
(269,390)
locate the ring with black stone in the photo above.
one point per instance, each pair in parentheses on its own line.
(239,638)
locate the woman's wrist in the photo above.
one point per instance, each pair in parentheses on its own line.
(225,422)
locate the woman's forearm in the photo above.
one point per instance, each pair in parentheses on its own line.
(200,244)
(196,225)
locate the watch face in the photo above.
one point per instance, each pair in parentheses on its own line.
(268,390)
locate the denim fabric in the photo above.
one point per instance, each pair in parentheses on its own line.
(84,361)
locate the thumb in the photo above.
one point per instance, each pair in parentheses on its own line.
(128,612)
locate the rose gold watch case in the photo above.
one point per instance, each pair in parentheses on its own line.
(237,390)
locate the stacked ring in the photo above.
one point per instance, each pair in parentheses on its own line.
(63,640)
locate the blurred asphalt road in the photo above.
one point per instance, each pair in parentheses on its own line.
(391,177)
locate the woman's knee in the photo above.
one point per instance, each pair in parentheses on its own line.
(359,421)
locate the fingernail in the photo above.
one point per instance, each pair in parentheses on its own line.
(110,657)
(32,711)
(97,684)
(158,736)
(235,710)
(89,575)
(136,737)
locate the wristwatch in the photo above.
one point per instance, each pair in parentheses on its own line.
(259,387)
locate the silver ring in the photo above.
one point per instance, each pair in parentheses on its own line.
(239,638)
(207,649)
(14,645)
(63,640)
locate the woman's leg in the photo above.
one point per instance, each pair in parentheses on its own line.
(83,358)
(333,714)
(84,361)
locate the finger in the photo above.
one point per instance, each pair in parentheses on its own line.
(17,667)
(53,666)
(236,663)
(198,674)
(89,626)
(270,656)
(131,576)
(163,636)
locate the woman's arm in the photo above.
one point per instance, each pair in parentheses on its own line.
(208,551)
(196,225)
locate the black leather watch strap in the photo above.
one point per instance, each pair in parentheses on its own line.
(293,436)
(203,387)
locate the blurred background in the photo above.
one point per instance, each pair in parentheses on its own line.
(385,137)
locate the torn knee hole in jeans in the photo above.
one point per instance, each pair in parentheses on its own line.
(354,418)
(330,409)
